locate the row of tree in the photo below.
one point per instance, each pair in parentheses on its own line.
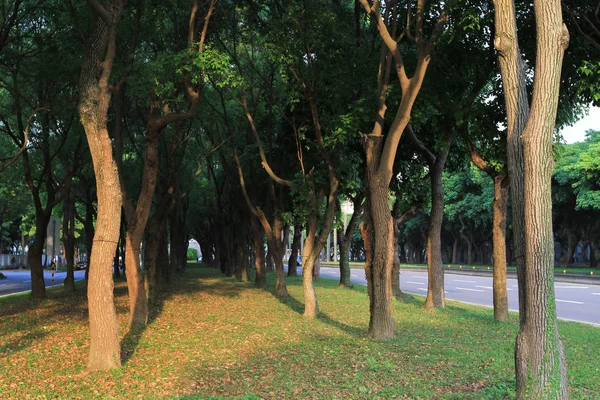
(229,121)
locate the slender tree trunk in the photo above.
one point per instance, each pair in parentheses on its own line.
(293,260)
(455,249)
(435,270)
(567,258)
(344,260)
(34,257)
(593,251)
(512,69)
(68,228)
(499,242)
(344,241)
(309,258)
(259,253)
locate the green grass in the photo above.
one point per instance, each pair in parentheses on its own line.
(477,267)
(214,337)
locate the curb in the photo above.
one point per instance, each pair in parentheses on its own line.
(565,278)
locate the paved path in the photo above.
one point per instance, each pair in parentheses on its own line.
(20,281)
(575,302)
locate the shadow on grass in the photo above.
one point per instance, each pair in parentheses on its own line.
(25,314)
(132,338)
(186,283)
(298,307)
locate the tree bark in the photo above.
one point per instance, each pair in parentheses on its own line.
(435,270)
(34,256)
(499,243)
(381,153)
(68,231)
(105,352)
(512,69)
(344,241)
(293,260)
(259,253)
(378,232)
(541,371)
(567,258)
(455,249)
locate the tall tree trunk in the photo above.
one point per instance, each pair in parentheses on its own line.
(499,242)
(259,253)
(379,232)
(435,270)
(512,69)
(105,351)
(541,371)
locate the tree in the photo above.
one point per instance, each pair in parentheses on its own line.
(541,370)
(94,100)
(381,151)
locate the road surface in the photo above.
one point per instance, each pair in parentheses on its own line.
(20,281)
(574,302)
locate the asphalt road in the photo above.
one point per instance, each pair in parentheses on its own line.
(20,281)
(574,302)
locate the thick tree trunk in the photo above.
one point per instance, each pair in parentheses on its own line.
(105,351)
(435,270)
(499,232)
(378,232)
(259,253)
(541,371)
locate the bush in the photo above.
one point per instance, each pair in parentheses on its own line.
(192,254)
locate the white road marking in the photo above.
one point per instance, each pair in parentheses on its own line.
(596,294)
(459,280)
(29,281)
(571,287)
(422,288)
(484,287)
(470,290)
(418,277)
(414,283)
(569,301)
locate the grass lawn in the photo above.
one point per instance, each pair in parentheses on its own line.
(214,337)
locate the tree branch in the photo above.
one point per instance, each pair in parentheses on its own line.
(263,157)
(429,156)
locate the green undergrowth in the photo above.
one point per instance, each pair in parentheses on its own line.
(217,338)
